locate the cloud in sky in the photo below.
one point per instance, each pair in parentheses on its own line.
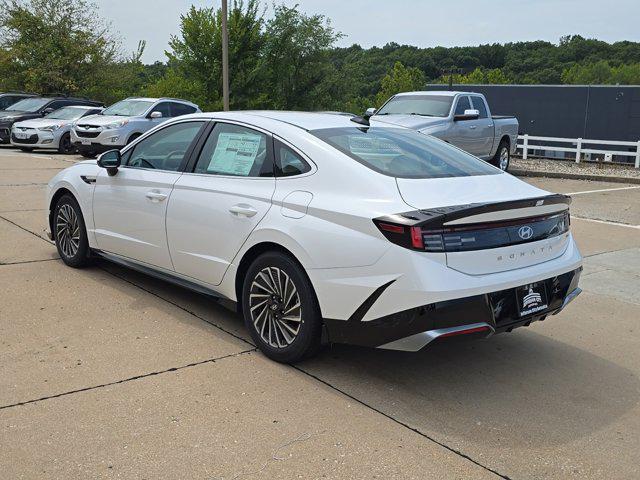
(424,23)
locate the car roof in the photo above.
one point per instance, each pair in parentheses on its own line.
(83,107)
(440,93)
(150,99)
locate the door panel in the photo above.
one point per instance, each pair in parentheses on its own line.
(485,131)
(129,209)
(210,217)
(213,210)
(129,212)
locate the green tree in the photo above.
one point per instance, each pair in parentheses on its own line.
(59,46)
(296,63)
(195,62)
(400,79)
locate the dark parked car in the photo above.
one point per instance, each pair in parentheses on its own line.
(9,98)
(36,107)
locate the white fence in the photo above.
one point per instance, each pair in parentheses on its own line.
(577,146)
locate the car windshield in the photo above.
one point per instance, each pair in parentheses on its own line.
(67,113)
(128,108)
(427,105)
(29,105)
(403,153)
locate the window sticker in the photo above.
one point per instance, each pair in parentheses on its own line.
(373,146)
(235,153)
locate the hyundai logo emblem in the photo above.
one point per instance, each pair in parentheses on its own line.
(525,233)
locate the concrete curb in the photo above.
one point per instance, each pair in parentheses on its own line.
(574,176)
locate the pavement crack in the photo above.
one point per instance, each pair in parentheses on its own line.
(28,261)
(125,380)
(401,423)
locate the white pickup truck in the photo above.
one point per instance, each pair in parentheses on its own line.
(460,118)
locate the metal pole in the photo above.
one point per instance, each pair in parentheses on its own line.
(225,57)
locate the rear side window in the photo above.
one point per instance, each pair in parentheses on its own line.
(478,104)
(288,162)
(178,109)
(237,151)
(463,104)
(403,153)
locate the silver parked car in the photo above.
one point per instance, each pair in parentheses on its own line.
(125,121)
(53,131)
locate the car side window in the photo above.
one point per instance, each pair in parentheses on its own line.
(478,104)
(5,102)
(463,104)
(288,162)
(178,109)
(165,149)
(235,151)
(163,108)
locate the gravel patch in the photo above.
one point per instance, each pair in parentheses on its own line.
(571,168)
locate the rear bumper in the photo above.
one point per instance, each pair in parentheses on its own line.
(482,315)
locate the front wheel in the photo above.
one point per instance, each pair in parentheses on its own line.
(70,232)
(280,308)
(502,158)
(65,146)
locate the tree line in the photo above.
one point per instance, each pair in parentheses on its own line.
(282,58)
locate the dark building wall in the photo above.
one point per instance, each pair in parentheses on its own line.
(593,112)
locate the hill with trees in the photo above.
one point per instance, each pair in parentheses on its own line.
(286,59)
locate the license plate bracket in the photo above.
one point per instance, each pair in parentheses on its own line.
(532,299)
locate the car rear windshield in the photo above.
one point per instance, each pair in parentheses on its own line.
(128,108)
(425,105)
(29,105)
(403,153)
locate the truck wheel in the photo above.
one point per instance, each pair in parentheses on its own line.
(502,158)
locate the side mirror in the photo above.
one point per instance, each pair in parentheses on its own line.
(110,160)
(370,111)
(47,111)
(156,114)
(468,115)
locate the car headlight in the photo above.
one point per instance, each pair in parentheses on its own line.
(114,125)
(49,128)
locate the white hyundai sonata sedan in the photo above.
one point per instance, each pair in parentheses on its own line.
(323,229)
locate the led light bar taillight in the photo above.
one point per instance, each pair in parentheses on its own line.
(477,236)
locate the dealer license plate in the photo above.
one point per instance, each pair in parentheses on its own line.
(532,299)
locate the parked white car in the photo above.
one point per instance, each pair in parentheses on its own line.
(52,131)
(123,122)
(378,236)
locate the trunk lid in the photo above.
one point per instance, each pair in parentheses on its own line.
(488,224)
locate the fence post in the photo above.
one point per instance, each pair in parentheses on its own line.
(525,146)
(578,150)
(638,155)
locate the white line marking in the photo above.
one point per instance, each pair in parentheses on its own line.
(604,190)
(617,224)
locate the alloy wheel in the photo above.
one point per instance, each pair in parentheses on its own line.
(275,307)
(504,158)
(68,230)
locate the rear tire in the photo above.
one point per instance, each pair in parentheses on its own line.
(502,158)
(280,308)
(70,232)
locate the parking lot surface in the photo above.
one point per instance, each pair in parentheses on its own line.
(107,373)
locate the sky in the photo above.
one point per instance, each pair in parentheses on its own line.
(423,23)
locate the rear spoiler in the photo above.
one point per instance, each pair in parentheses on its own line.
(437,217)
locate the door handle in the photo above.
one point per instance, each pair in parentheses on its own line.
(243,210)
(156,196)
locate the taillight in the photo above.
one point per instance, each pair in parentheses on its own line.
(476,236)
